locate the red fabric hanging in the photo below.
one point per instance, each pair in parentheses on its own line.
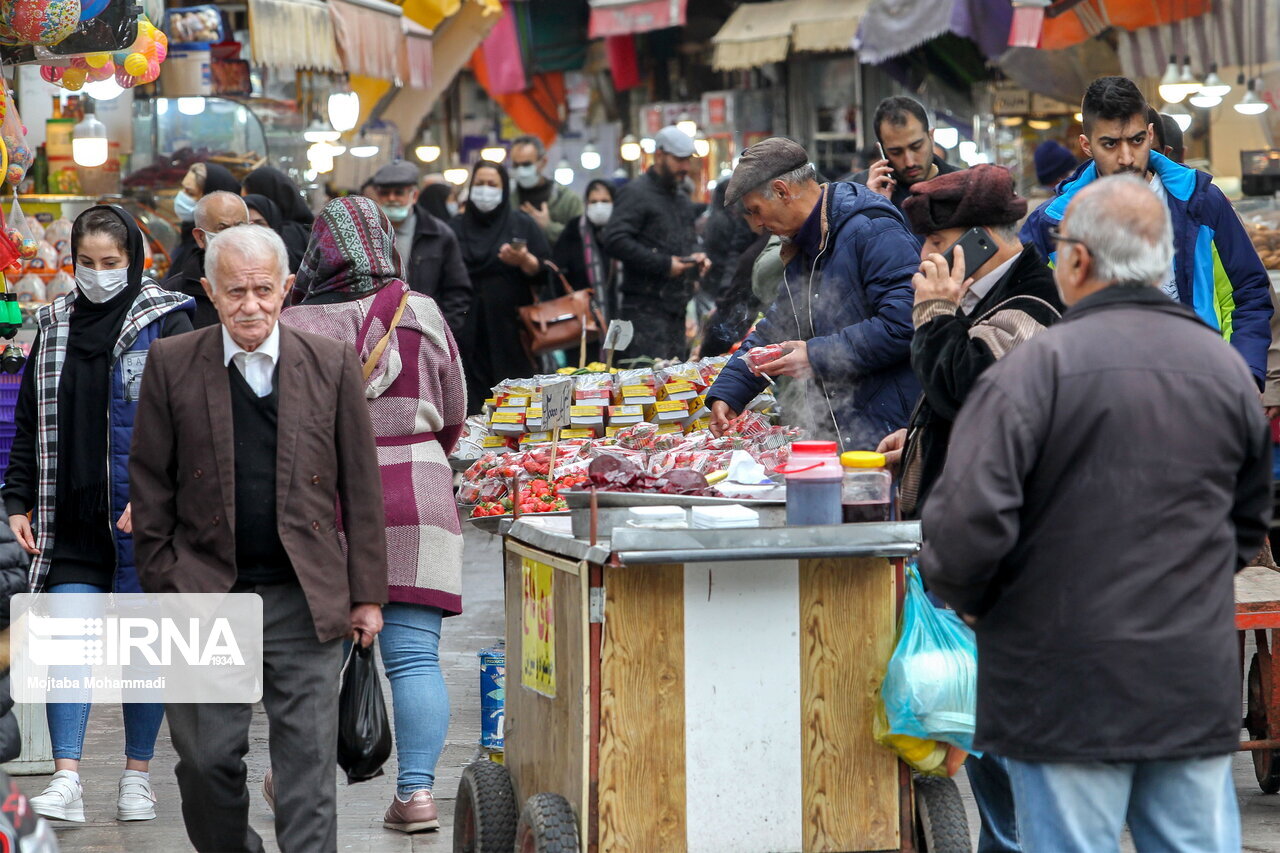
(623,62)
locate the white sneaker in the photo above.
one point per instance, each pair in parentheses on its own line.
(136,800)
(63,799)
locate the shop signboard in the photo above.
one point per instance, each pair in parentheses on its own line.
(717,111)
(538,628)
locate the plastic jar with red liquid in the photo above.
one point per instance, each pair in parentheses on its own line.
(866,487)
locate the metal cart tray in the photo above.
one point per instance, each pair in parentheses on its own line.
(491,523)
(626,500)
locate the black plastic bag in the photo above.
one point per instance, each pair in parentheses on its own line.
(364,732)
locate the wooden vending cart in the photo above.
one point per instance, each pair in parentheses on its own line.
(701,690)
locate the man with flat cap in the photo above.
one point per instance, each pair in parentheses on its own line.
(651,232)
(968,315)
(843,312)
(428,248)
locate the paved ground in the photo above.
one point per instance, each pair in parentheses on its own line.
(361,806)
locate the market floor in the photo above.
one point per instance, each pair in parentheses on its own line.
(361,806)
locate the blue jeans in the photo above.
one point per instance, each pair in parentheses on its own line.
(989,780)
(410,645)
(68,719)
(1186,806)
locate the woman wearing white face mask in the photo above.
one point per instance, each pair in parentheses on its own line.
(581,254)
(78,487)
(200,180)
(503,250)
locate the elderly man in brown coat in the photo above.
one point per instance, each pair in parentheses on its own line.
(247,434)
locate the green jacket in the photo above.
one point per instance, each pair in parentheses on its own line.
(565,206)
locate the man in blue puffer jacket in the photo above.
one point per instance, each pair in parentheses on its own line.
(1216,271)
(843,313)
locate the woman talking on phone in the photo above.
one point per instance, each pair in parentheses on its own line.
(504,252)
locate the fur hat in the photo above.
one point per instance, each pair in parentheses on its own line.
(982,195)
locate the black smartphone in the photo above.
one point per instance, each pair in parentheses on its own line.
(978,249)
(519,242)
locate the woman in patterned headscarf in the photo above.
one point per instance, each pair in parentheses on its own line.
(351,289)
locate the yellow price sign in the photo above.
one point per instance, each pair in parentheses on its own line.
(538,628)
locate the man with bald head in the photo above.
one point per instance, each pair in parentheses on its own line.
(1104,483)
(215,213)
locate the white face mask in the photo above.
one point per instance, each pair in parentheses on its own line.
(452,207)
(526,176)
(598,212)
(485,198)
(100,285)
(185,206)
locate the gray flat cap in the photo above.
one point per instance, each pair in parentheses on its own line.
(764,161)
(398,174)
(674,141)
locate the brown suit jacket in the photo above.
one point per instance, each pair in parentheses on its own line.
(182,474)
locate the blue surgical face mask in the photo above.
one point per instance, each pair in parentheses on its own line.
(598,212)
(527,176)
(185,206)
(397,213)
(452,207)
(485,198)
(100,285)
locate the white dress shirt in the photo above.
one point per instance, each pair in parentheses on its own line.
(982,286)
(258,366)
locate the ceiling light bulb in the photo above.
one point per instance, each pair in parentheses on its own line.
(564,173)
(1079,117)
(1182,120)
(456,176)
(493,153)
(367,149)
(590,158)
(1251,104)
(648,146)
(344,110)
(1215,85)
(687,125)
(630,149)
(947,137)
(320,132)
(89,145)
(1036,124)
(427,153)
(701,146)
(1204,101)
(103,90)
(1171,83)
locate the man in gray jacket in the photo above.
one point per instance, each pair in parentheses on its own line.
(1104,483)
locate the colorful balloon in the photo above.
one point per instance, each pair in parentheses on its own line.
(106,72)
(136,64)
(51,74)
(73,79)
(44,22)
(97,60)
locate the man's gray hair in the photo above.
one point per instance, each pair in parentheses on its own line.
(246,241)
(530,140)
(1126,248)
(804,175)
(204,217)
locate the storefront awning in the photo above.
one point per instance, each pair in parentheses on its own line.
(292,34)
(624,17)
(755,34)
(417,54)
(370,38)
(1234,31)
(452,44)
(826,25)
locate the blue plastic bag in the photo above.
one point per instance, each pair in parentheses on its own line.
(931,687)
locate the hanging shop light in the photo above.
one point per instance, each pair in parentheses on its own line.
(630,148)
(1204,101)
(320,157)
(426,150)
(103,90)
(1034,124)
(1215,85)
(493,152)
(310,175)
(687,125)
(947,137)
(1251,104)
(648,146)
(364,148)
(1179,114)
(344,110)
(1171,84)
(564,172)
(701,145)
(89,142)
(191,106)
(318,131)
(1187,80)
(457,175)
(590,158)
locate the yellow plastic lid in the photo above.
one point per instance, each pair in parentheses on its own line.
(862,459)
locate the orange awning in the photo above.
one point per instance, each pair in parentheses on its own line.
(1087,20)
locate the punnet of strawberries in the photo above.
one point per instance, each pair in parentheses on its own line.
(536,495)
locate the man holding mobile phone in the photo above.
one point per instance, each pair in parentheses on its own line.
(905,142)
(970,310)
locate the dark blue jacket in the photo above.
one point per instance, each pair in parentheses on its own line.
(1218,271)
(856,264)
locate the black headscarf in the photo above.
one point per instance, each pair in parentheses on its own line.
(219,179)
(266,208)
(276,186)
(481,234)
(84,396)
(434,199)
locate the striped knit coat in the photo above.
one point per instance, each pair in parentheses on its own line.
(417,401)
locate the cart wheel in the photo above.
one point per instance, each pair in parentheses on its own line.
(1266,762)
(941,824)
(547,825)
(486,816)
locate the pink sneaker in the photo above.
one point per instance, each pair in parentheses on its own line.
(412,815)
